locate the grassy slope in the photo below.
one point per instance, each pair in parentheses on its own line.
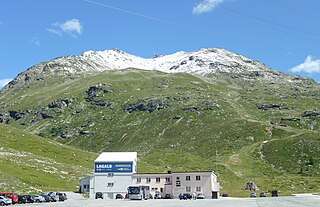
(30,163)
(226,139)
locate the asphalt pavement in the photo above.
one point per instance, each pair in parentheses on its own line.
(76,200)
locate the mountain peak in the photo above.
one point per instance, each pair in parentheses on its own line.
(202,62)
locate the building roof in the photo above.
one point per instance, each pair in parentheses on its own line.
(117,157)
(171,173)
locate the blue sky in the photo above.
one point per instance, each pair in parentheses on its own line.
(283,34)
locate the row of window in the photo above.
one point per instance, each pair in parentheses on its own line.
(198,189)
(168,179)
(188,177)
(148,179)
(178,184)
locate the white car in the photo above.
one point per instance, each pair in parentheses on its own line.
(201,196)
(5,201)
(39,198)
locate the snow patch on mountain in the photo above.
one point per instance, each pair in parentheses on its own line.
(201,62)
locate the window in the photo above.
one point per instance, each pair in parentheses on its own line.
(198,188)
(161,190)
(158,179)
(148,179)
(188,189)
(110,184)
(110,174)
(178,183)
(198,177)
(85,186)
(168,180)
(188,178)
(138,179)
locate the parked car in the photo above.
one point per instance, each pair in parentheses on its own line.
(185,196)
(99,195)
(12,195)
(62,196)
(168,196)
(263,194)
(54,196)
(119,196)
(46,197)
(65,196)
(274,193)
(5,201)
(157,196)
(253,195)
(200,196)
(225,195)
(39,199)
(30,198)
(22,199)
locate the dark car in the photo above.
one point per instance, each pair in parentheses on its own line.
(263,194)
(99,195)
(274,193)
(30,198)
(225,195)
(65,196)
(62,196)
(185,196)
(119,196)
(22,199)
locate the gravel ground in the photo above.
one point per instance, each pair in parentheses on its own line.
(75,200)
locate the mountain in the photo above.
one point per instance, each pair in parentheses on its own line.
(32,164)
(203,62)
(214,110)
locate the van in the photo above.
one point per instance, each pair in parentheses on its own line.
(12,195)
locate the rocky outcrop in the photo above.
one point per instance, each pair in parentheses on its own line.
(150,105)
(95,94)
(16,115)
(61,103)
(309,114)
(272,106)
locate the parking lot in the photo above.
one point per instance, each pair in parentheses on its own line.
(75,200)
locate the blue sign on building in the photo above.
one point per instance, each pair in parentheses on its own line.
(113,167)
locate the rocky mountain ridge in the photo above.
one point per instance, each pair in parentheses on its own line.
(203,62)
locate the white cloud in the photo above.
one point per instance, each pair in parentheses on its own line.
(4,82)
(206,6)
(71,27)
(308,66)
(35,41)
(55,31)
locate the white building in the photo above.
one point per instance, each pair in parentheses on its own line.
(112,174)
(176,183)
(115,171)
